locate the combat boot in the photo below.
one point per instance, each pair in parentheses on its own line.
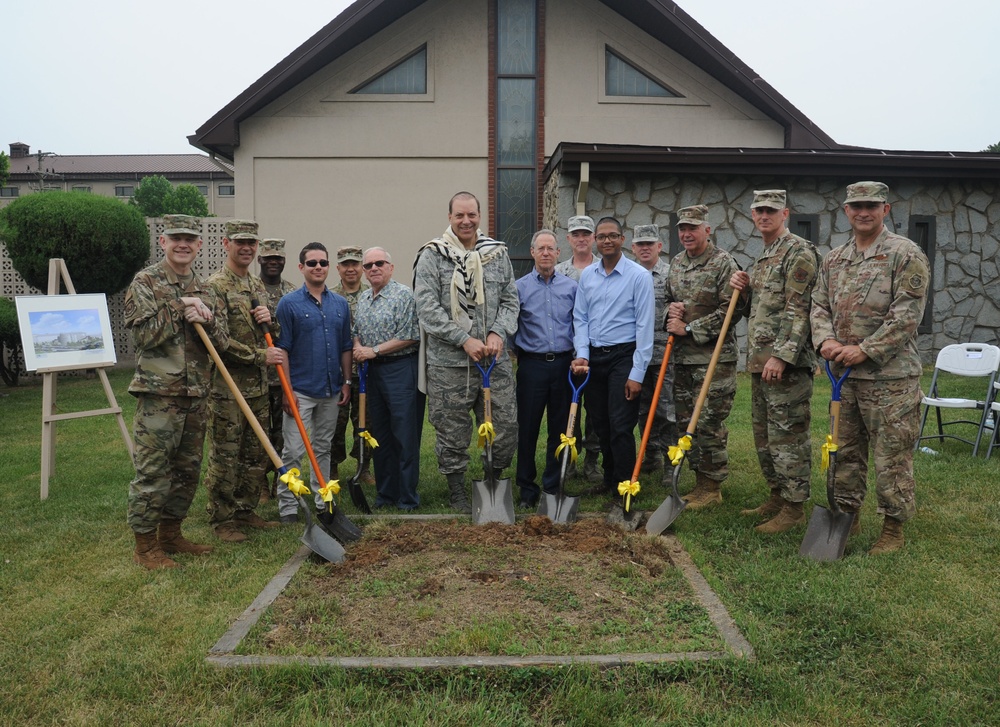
(791,514)
(706,492)
(856,525)
(171,541)
(251,519)
(366,477)
(771,507)
(891,538)
(652,461)
(459,499)
(229,532)
(591,470)
(148,553)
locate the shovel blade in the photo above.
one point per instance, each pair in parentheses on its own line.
(318,541)
(338,525)
(492,502)
(664,516)
(358,495)
(560,509)
(826,535)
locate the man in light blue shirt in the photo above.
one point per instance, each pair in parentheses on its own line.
(613,337)
(543,345)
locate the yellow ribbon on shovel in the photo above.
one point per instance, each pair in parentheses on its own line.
(332,488)
(676,452)
(486,433)
(293,480)
(567,442)
(628,489)
(367,436)
(828,446)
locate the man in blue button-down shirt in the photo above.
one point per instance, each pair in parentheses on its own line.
(613,321)
(316,333)
(543,345)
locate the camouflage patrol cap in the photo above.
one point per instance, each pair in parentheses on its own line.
(181,225)
(241,230)
(349,252)
(694,215)
(580,222)
(867,192)
(773,198)
(645,233)
(271,247)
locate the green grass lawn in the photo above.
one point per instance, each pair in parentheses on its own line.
(88,638)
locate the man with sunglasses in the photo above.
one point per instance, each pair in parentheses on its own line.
(865,311)
(316,334)
(236,458)
(386,335)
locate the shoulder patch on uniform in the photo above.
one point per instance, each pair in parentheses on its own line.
(129,308)
(800,275)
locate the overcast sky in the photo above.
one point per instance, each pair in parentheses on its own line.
(127,77)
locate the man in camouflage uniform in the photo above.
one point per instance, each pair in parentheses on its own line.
(698,296)
(171,382)
(780,358)
(271,258)
(463,284)
(236,457)
(580,236)
(646,247)
(350,287)
(865,311)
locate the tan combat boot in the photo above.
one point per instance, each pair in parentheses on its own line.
(706,492)
(891,538)
(790,515)
(148,553)
(856,525)
(251,519)
(171,541)
(772,506)
(229,532)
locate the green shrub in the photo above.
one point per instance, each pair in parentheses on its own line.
(103,241)
(10,341)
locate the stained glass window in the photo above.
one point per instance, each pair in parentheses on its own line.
(409,76)
(624,79)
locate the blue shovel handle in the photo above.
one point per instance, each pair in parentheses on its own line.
(577,389)
(486,372)
(836,383)
(363,377)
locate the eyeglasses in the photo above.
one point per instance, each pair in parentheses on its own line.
(375,264)
(314,263)
(610,237)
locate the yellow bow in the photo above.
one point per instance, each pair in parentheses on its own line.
(294,483)
(676,453)
(486,433)
(828,446)
(367,436)
(628,489)
(332,488)
(567,442)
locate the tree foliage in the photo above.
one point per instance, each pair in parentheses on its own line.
(10,342)
(103,241)
(156,196)
(4,168)
(993,148)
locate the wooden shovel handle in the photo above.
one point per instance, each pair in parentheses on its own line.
(711,364)
(652,408)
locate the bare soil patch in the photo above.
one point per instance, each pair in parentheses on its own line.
(445,588)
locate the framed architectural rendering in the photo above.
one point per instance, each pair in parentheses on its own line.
(64,332)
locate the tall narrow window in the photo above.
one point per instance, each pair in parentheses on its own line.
(805,226)
(516,174)
(923,231)
(408,76)
(621,78)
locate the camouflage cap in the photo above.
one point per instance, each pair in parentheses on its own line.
(645,233)
(349,252)
(773,198)
(181,225)
(271,247)
(580,222)
(694,215)
(241,230)
(867,192)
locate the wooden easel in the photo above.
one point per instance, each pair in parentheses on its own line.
(57,271)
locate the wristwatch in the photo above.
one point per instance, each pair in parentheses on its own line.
(347,382)
(375,351)
(687,330)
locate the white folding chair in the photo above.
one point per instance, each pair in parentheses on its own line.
(978,360)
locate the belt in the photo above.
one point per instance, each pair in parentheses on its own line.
(612,348)
(546,356)
(390,359)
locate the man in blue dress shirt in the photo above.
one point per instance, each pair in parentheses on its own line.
(543,345)
(316,333)
(613,337)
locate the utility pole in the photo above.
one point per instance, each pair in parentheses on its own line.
(41,156)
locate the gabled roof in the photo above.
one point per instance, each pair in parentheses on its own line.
(119,165)
(664,21)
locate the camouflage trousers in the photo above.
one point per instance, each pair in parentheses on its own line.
(169,434)
(236,458)
(452,392)
(352,411)
(708,455)
(781,433)
(883,415)
(663,429)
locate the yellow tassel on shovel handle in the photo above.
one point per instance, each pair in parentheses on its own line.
(628,489)
(332,488)
(486,433)
(676,453)
(367,436)
(828,446)
(293,480)
(567,442)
